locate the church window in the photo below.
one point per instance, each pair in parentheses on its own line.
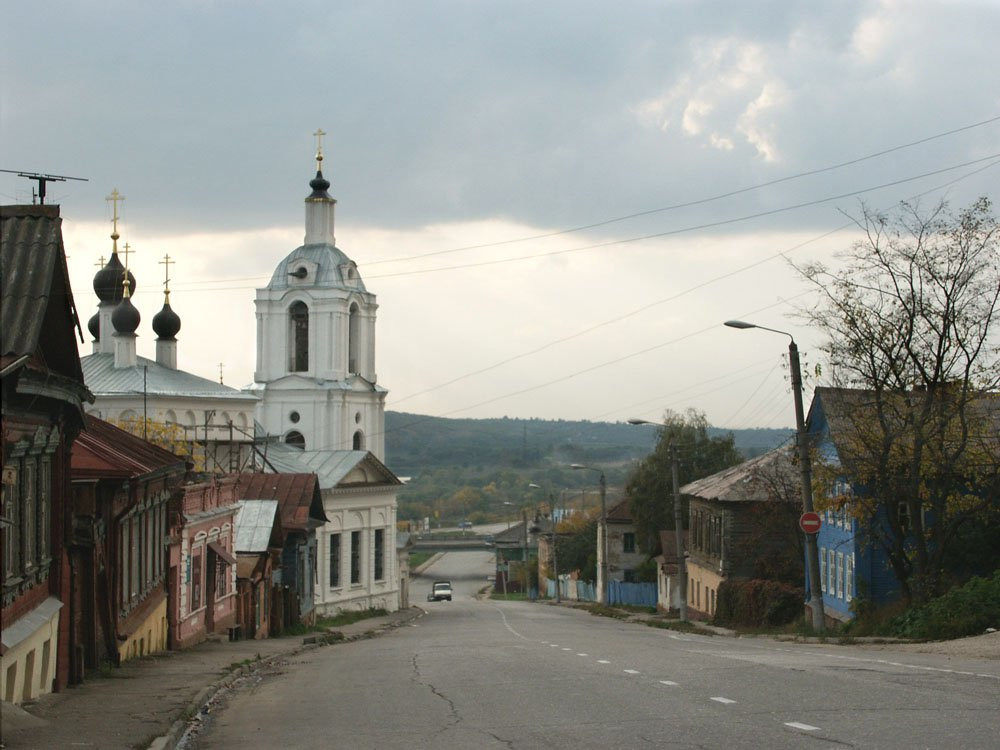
(298,315)
(359,441)
(379,554)
(296,438)
(357,418)
(334,561)
(352,341)
(355,557)
(293,417)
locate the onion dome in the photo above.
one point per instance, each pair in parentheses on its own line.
(94,326)
(319,185)
(125,317)
(108,281)
(166,323)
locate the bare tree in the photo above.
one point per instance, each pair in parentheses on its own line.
(911,318)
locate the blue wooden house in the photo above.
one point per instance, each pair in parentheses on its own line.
(851,564)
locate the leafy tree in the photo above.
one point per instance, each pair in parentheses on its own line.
(649,489)
(168,436)
(577,545)
(910,320)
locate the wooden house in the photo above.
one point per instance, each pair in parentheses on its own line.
(259,542)
(43,393)
(743,524)
(122,488)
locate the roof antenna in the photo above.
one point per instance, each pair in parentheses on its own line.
(42,179)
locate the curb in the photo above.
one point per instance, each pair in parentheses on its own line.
(180,727)
(427,563)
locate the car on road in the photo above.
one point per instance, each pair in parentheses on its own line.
(440,590)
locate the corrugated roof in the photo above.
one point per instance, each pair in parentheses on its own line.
(35,293)
(332,467)
(103,450)
(297,495)
(254,524)
(750,481)
(104,379)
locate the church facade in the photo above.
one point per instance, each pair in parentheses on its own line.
(323,410)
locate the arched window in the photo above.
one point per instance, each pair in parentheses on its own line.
(298,337)
(296,438)
(359,441)
(353,335)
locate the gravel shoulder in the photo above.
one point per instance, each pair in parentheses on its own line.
(986,646)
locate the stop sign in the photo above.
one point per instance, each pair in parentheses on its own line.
(810,522)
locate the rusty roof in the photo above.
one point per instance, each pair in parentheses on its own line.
(297,495)
(103,451)
(35,295)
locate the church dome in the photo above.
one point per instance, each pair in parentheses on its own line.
(125,317)
(324,266)
(319,185)
(94,326)
(166,323)
(108,281)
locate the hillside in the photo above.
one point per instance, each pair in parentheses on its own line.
(461,467)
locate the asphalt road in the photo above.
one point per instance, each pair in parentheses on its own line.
(485,674)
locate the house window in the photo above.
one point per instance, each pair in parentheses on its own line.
(628,541)
(334,560)
(355,557)
(822,568)
(830,570)
(298,315)
(296,438)
(379,554)
(840,575)
(849,577)
(28,492)
(196,581)
(11,531)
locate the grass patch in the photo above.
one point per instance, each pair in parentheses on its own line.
(419,558)
(343,618)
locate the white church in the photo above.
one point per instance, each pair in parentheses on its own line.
(323,411)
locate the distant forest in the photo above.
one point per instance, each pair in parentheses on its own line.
(479,468)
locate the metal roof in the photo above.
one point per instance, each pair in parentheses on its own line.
(103,450)
(751,481)
(332,467)
(35,289)
(104,379)
(254,523)
(329,261)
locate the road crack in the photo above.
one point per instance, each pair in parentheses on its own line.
(456,718)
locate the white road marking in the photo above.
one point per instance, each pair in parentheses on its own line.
(668,682)
(553,645)
(631,671)
(803,727)
(603,661)
(720,699)
(581,654)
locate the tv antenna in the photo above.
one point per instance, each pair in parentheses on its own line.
(42,179)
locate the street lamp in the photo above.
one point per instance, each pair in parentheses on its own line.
(602,529)
(678,525)
(805,468)
(555,559)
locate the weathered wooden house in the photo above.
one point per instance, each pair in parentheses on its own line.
(122,487)
(300,510)
(259,542)
(43,393)
(743,523)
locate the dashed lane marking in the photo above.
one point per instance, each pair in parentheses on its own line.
(603,661)
(803,727)
(631,671)
(720,699)
(668,682)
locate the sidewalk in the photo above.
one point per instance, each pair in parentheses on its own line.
(146,702)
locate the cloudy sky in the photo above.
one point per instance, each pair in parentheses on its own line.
(557,203)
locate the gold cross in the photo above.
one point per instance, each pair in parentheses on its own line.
(166,263)
(101,263)
(115,197)
(127,250)
(319,147)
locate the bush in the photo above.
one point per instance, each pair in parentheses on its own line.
(758,603)
(966,610)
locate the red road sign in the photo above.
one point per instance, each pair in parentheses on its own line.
(810,522)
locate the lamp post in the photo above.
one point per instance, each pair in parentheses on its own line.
(678,526)
(602,533)
(805,469)
(555,558)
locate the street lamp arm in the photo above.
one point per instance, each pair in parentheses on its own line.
(743,325)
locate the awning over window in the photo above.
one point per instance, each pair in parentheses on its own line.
(223,554)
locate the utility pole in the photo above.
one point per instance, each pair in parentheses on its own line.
(679,536)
